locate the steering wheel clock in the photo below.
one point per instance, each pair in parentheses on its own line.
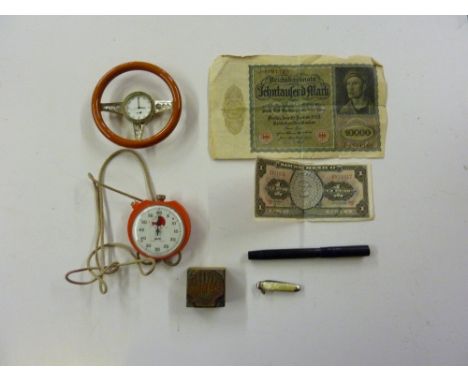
(139,108)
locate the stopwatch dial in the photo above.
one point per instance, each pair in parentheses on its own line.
(158,231)
(138,107)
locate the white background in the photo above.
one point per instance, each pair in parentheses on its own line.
(405,304)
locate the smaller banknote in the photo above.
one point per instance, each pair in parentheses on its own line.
(325,192)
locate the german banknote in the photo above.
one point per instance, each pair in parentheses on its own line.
(296,107)
(334,192)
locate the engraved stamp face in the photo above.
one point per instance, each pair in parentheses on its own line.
(206,287)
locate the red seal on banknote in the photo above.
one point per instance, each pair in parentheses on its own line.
(322,135)
(265,137)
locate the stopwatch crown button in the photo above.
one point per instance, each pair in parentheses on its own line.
(161,198)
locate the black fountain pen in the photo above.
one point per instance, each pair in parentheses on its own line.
(306,253)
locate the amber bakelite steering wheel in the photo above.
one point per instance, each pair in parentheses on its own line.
(138,107)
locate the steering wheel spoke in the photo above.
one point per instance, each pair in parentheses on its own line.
(138,129)
(112,107)
(160,106)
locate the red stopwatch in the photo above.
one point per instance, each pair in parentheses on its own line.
(158,229)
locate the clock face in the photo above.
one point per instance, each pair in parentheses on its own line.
(158,230)
(138,107)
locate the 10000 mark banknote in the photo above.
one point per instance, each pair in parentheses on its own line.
(335,192)
(296,107)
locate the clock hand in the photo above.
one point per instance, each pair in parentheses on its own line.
(159,223)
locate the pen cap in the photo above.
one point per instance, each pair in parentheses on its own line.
(345,251)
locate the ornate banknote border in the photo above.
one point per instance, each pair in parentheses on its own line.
(378,134)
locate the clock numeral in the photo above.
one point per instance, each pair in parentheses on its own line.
(173,239)
(166,246)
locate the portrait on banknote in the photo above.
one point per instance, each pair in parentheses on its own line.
(355,90)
